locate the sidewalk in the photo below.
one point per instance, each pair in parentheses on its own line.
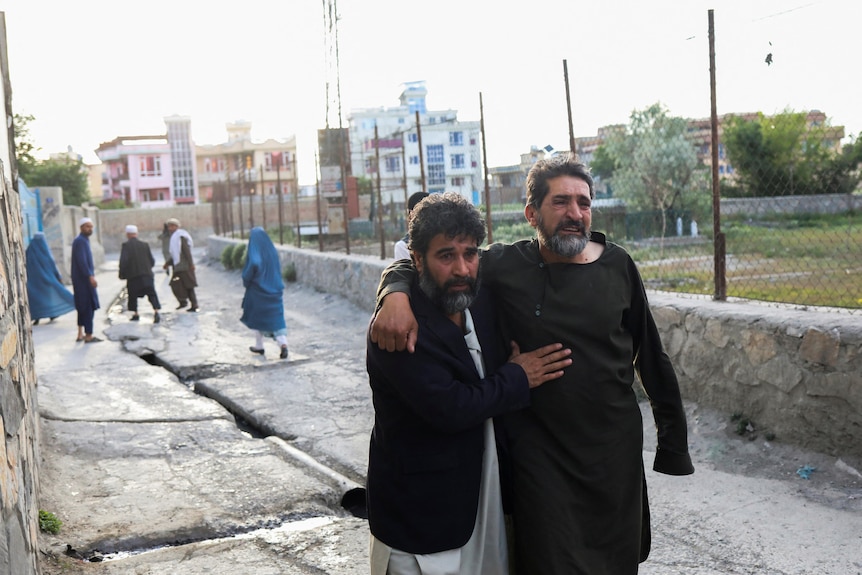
(134,460)
(153,444)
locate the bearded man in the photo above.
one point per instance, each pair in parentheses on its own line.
(581,503)
(434,490)
(84,282)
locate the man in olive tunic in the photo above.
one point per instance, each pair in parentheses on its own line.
(580,492)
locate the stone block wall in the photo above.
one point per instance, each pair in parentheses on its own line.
(794,373)
(19,418)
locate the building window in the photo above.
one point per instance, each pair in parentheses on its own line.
(151,166)
(432,120)
(370,166)
(457,161)
(272,160)
(214,165)
(393,164)
(414,160)
(435,155)
(413,138)
(457,182)
(456,138)
(436,174)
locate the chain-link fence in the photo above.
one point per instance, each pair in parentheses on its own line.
(789,206)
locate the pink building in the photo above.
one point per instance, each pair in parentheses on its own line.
(151,171)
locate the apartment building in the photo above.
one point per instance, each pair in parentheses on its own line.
(449,160)
(241,167)
(150,171)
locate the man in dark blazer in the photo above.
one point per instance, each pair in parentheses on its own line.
(433,488)
(136,267)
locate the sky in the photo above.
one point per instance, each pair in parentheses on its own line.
(92,70)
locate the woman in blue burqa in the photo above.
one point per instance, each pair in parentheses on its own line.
(263,302)
(45,290)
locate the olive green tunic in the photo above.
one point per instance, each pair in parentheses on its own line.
(580,494)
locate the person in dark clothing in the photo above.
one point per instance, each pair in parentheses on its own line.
(183,281)
(165,238)
(46,293)
(136,267)
(84,282)
(581,505)
(401,251)
(435,484)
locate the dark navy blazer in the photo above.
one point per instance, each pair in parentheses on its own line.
(425,457)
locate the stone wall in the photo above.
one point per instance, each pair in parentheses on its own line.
(813,204)
(795,374)
(19,418)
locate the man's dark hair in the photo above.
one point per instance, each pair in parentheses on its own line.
(447,213)
(415,199)
(554,167)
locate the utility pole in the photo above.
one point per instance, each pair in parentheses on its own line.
(485,162)
(280,200)
(241,179)
(569,108)
(421,154)
(296,201)
(262,199)
(720,247)
(317,190)
(379,197)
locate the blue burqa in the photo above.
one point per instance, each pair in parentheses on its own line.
(48,297)
(263,303)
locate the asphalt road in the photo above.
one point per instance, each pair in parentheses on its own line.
(171,448)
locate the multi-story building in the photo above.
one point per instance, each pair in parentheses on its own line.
(508,184)
(449,160)
(137,169)
(151,171)
(242,167)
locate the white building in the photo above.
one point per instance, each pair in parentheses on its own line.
(451,150)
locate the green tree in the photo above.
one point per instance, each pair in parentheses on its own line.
(782,155)
(654,165)
(24,146)
(69,174)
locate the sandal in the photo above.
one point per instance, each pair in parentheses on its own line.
(93,339)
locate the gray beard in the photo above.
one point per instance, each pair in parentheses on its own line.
(448,302)
(563,246)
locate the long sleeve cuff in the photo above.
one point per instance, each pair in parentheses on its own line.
(671,463)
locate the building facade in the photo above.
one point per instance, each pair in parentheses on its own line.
(438,153)
(151,171)
(240,167)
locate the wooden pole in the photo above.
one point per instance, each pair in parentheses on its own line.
(485,162)
(379,197)
(719,248)
(569,108)
(421,154)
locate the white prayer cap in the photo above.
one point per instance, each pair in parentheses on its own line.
(130,229)
(83,221)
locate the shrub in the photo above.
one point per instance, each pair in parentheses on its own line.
(238,256)
(48,522)
(288,272)
(227,257)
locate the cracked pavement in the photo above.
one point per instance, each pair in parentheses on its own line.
(153,451)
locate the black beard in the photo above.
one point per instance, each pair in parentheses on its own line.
(563,246)
(449,302)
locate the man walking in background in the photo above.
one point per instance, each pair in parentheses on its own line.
(183,281)
(84,282)
(136,267)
